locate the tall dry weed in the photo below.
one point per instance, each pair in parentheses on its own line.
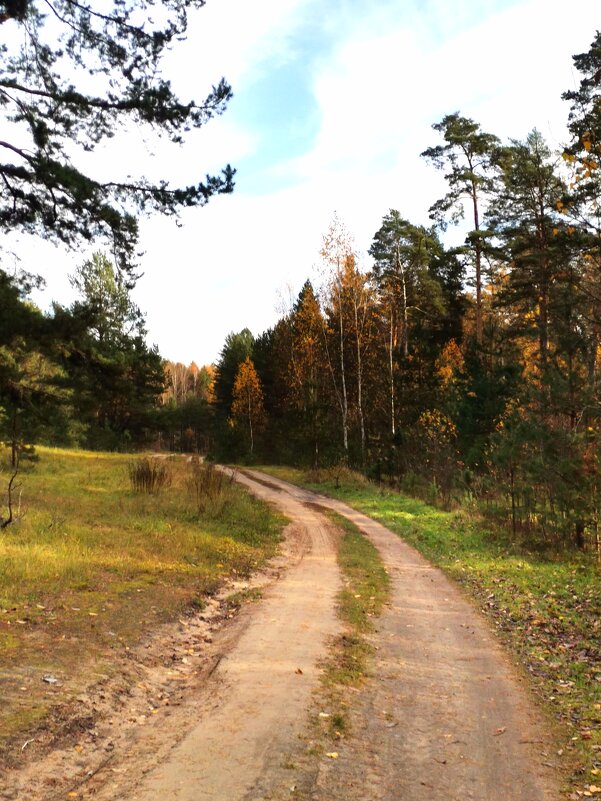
(210,487)
(149,475)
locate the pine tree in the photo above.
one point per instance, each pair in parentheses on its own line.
(71,76)
(468,156)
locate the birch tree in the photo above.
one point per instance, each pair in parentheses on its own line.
(247,407)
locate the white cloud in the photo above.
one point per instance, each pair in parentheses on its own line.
(378,91)
(237,39)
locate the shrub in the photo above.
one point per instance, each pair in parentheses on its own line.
(149,475)
(338,475)
(209,486)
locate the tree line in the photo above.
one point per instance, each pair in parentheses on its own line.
(467,371)
(79,375)
(72,77)
(85,376)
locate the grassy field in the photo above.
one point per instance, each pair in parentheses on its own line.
(92,565)
(546,606)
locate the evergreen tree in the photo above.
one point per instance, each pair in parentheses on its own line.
(584,150)
(71,76)
(236,349)
(34,398)
(532,240)
(307,372)
(117,378)
(468,156)
(403,255)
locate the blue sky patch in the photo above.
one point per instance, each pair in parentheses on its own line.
(279,109)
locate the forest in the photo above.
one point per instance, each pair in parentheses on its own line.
(462,374)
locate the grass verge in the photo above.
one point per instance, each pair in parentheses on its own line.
(92,565)
(545,606)
(366,587)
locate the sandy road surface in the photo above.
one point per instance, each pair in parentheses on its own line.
(445,716)
(263,687)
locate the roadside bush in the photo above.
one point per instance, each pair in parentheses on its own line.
(339,475)
(149,475)
(210,487)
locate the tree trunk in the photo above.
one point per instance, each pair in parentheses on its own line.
(512,480)
(14,447)
(405,309)
(391,371)
(359,382)
(250,424)
(478,259)
(343,373)
(579,534)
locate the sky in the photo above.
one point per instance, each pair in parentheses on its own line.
(333,103)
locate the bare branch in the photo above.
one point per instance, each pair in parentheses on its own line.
(11,488)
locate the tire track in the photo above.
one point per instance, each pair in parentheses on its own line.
(446,715)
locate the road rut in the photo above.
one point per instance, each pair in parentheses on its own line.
(265,682)
(442,717)
(445,715)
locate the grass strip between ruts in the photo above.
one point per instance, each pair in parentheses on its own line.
(366,587)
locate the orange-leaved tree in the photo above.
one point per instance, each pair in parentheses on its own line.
(247,406)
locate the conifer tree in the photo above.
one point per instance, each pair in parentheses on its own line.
(71,76)
(468,156)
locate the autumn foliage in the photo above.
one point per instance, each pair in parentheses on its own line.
(466,374)
(247,407)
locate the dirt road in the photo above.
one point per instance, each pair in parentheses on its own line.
(266,682)
(443,717)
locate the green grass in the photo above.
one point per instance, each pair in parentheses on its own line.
(546,607)
(92,564)
(366,587)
